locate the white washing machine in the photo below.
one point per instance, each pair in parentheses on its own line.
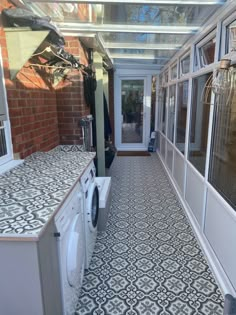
(71,249)
(91,209)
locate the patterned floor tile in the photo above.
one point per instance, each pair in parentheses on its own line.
(148,261)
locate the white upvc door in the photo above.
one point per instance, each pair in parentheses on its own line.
(132,112)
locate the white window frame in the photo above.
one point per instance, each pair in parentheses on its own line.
(225,24)
(6,161)
(6,124)
(200,44)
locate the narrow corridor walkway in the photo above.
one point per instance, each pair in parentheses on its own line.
(148,261)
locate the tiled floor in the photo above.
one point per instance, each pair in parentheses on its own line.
(148,261)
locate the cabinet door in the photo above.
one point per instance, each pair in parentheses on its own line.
(50,272)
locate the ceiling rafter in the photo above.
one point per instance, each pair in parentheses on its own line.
(137,56)
(153,2)
(147,46)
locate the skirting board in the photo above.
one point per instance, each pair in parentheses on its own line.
(214,264)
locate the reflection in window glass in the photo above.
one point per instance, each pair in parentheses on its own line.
(222,174)
(181,115)
(171,112)
(207,53)
(199,124)
(174,72)
(164,98)
(230,37)
(185,65)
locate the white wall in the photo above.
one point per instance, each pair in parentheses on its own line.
(212,218)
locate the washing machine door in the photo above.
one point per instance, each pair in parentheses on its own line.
(92,207)
(76,252)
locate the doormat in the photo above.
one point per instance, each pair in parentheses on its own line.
(133,153)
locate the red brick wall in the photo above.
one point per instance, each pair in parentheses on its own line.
(42,117)
(71,105)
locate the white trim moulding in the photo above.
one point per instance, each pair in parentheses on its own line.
(108,28)
(153,2)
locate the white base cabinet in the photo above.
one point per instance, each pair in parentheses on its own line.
(29,276)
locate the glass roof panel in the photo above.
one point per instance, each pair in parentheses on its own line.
(145,38)
(154,64)
(166,54)
(142,61)
(136,30)
(123,13)
(171,15)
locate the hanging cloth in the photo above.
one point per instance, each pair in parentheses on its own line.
(107,123)
(90,85)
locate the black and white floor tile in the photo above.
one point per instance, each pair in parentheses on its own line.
(148,261)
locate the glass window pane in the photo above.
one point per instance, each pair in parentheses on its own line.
(181,115)
(174,72)
(166,77)
(200,109)
(222,174)
(207,53)
(231,37)
(185,65)
(153,102)
(171,112)
(164,100)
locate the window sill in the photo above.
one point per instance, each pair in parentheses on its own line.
(9,165)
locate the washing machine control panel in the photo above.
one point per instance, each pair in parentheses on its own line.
(88,177)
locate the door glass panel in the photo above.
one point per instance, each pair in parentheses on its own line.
(181,115)
(171,113)
(132,111)
(222,174)
(199,123)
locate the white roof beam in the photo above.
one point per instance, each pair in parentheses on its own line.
(138,56)
(148,46)
(153,2)
(108,28)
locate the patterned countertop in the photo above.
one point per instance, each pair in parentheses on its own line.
(31,193)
